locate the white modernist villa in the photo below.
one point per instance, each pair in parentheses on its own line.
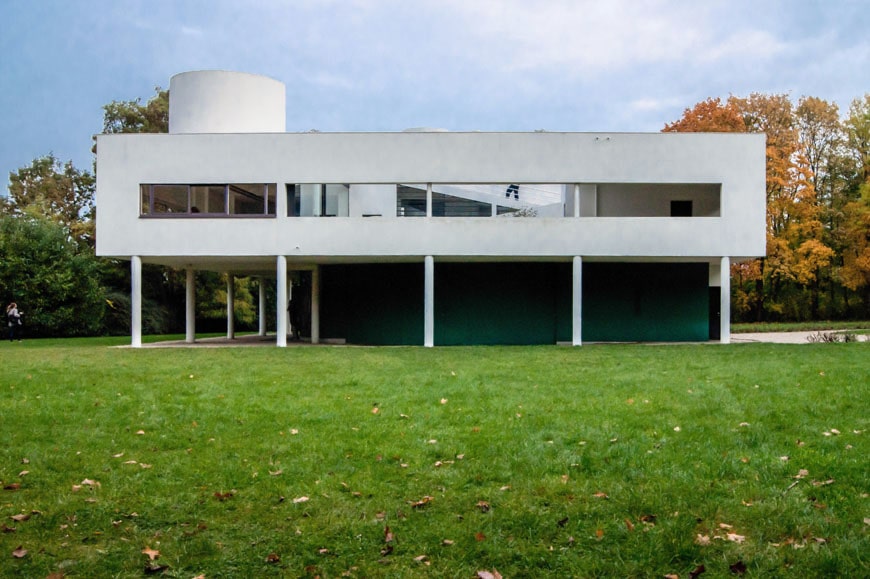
(431,237)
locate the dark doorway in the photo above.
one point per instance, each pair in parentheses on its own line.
(300,305)
(715,314)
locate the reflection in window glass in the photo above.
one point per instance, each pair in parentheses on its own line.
(271,194)
(145,193)
(411,200)
(449,206)
(208,199)
(246,199)
(169,198)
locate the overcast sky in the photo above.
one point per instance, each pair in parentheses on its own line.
(386,65)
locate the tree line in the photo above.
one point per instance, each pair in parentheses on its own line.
(818,228)
(818,205)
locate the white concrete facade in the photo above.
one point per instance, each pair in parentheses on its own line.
(614,192)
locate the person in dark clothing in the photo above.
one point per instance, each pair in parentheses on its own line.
(13,321)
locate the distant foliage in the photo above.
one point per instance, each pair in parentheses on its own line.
(54,279)
(818,205)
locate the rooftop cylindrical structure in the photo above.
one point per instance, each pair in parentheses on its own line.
(218,101)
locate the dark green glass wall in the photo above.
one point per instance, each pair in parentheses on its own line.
(515,303)
(638,302)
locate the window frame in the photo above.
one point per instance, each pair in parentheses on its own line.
(269,201)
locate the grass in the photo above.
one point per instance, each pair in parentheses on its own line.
(598,461)
(814,326)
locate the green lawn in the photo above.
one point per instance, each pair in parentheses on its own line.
(599,461)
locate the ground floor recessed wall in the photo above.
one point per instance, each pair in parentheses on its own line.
(515,303)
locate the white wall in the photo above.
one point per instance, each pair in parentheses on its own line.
(219,101)
(369,160)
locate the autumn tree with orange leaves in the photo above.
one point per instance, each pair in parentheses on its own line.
(816,222)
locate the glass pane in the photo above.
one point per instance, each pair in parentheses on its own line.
(170,198)
(336,201)
(145,193)
(411,200)
(246,199)
(208,199)
(449,206)
(271,193)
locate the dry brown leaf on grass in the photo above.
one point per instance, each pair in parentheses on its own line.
(735,538)
(494,574)
(152,554)
(699,570)
(20,518)
(422,502)
(12,487)
(600,495)
(298,500)
(20,552)
(483,506)
(388,535)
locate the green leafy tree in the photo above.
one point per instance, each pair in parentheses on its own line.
(135,117)
(57,191)
(54,279)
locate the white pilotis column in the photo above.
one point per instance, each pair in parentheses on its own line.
(428,199)
(262,308)
(576,200)
(281,307)
(136,301)
(725,301)
(190,308)
(231,306)
(577,303)
(315,305)
(429,302)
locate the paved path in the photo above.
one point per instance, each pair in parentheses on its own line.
(784,337)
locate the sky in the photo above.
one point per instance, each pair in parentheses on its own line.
(388,65)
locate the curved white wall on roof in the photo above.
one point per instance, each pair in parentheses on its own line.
(217,101)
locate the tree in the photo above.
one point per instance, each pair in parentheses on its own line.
(709,116)
(54,279)
(134,117)
(58,191)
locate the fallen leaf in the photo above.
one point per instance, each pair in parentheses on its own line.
(702,540)
(562,522)
(19,553)
(404,416)
(494,574)
(823,483)
(119,455)
(140,432)
(744,460)
(421,559)
(223,496)
(20,518)
(143,465)
(802,473)
(323,551)
(422,502)
(784,458)
(154,569)
(432,441)
(483,506)
(27,460)
(386,550)
(479,537)
(151,553)
(744,424)
(677,429)
(725,526)
(23,473)
(505,488)
(835,431)
(300,500)
(443,401)
(375,410)
(294,431)
(735,538)
(672,576)
(6,529)
(601,495)
(388,535)
(276,472)
(700,569)
(460,456)
(12,487)
(599,533)
(564,479)
(90,483)
(130,462)
(629,525)
(446,542)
